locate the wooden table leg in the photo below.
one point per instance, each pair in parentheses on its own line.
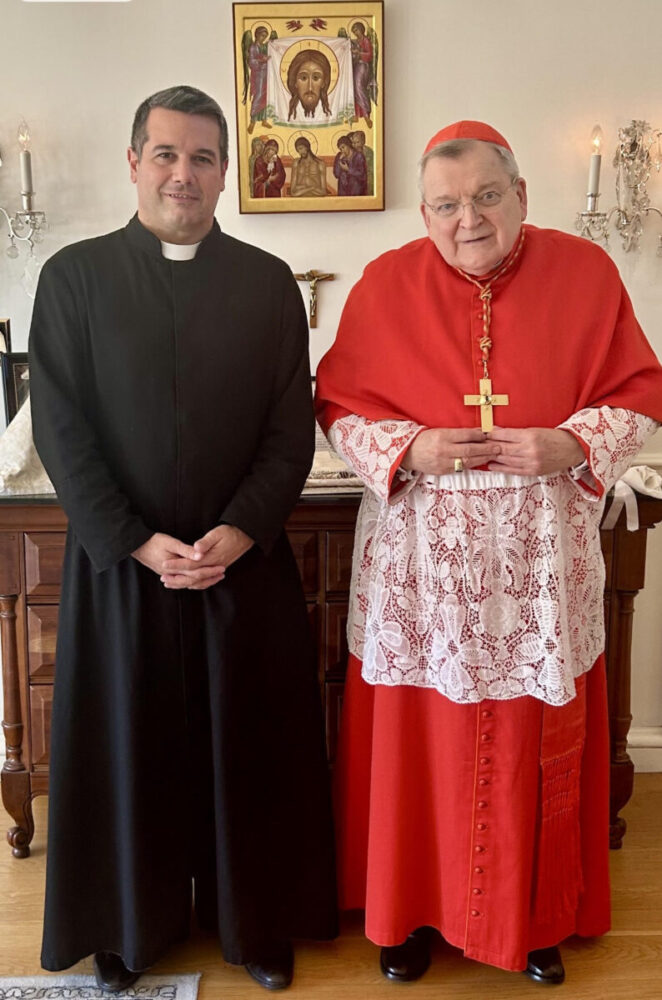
(621,774)
(628,570)
(15,780)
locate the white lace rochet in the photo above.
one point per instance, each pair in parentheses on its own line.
(480,584)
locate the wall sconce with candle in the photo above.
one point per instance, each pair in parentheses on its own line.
(26,225)
(639,149)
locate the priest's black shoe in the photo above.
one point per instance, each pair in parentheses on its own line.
(402,963)
(274,969)
(111,973)
(545,966)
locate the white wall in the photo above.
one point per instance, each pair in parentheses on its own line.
(541,72)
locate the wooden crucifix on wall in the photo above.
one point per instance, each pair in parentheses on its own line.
(312,277)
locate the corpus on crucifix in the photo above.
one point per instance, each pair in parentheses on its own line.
(486,400)
(312,277)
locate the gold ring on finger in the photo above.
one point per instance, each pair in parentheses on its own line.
(457,465)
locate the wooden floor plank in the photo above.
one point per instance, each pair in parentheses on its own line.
(625,963)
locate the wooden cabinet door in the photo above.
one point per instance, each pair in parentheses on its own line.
(44,554)
(339,546)
(305,549)
(42,634)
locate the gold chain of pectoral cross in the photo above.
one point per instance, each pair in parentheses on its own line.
(485,398)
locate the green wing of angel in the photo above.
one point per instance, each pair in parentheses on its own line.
(246,42)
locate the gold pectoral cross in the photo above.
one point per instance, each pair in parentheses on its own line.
(486,401)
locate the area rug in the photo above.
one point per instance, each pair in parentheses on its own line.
(57,987)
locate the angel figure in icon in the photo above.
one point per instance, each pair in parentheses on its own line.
(365,58)
(255,59)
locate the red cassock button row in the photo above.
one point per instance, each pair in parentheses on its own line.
(483,782)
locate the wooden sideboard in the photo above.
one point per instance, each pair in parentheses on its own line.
(321,531)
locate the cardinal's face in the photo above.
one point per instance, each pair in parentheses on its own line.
(475,239)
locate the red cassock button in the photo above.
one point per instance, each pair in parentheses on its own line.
(486,737)
(475,913)
(477,892)
(483,781)
(478,849)
(482,805)
(478,870)
(485,760)
(481,826)
(486,714)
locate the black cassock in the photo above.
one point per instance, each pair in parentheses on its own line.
(187,738)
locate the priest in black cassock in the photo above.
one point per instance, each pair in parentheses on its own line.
(171,405)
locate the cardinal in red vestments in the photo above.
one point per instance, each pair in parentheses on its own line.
(488,383)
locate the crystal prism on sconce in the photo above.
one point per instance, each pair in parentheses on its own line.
(27,225)
(639,149)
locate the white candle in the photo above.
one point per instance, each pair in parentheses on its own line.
(594,169)
(26,171)
(594,174)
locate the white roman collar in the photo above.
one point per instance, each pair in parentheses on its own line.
(179,251)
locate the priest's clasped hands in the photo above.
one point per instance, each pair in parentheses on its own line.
(193,567)
(521,451)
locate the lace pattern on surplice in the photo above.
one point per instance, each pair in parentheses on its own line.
(464,582)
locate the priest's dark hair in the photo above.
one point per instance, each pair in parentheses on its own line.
(191,101)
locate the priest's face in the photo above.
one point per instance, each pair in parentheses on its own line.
(477,237)
(179,175)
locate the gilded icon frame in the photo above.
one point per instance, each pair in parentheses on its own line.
(5,336)
(309,83)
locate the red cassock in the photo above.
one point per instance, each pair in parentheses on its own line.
(439,809)
(487,820)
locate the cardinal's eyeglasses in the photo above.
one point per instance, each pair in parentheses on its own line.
(486,201)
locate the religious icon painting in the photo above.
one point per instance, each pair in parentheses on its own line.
(15,380)
(310,107)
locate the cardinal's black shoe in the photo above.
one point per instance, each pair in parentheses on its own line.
(545,966)
(402,963)
(111,973)
(274,969)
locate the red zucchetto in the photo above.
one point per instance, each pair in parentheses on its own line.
(467,130)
